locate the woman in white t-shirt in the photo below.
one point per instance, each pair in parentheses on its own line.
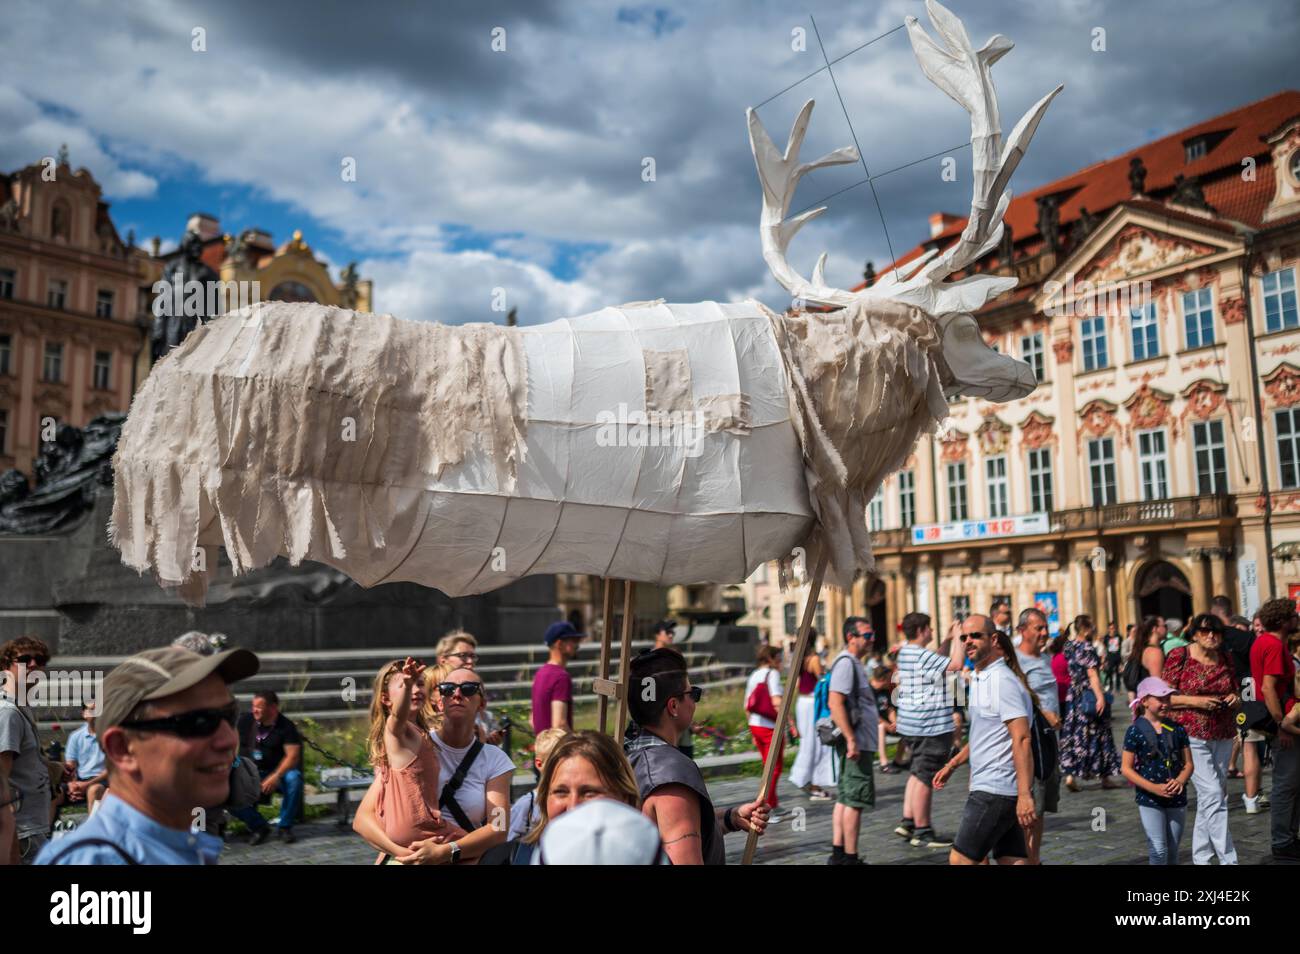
(484,796)
(763,703)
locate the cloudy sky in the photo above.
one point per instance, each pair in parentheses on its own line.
(523,168)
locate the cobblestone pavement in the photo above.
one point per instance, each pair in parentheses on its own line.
(1093,827)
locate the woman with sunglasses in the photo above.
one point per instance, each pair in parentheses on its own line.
(477,810)
(399,814)
(1204,703)
(459,650)
(581,767)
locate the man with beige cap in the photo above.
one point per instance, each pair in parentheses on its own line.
(167,727)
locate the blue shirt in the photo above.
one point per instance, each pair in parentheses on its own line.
(145,840)
(83,748)
(1155,765)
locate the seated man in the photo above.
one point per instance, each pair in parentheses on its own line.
(166,725)
(87,771)
(273,743)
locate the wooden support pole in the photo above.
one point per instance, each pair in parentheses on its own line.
(624,658)
(788,698)
(606,641)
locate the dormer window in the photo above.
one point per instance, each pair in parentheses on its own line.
(1196,149)
(1294,165)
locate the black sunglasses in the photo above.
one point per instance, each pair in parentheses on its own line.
(470,656)
(966,636)
(695,692)
(28,660)
(195,724)
(467,689)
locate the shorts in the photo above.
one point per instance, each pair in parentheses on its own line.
(989,824)
(30,846)
(857,785)
(929,754)
(1047,793)
(1253,735)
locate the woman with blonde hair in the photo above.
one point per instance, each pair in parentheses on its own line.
(582,766)
(459,649)
(400,812)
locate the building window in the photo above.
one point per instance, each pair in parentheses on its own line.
(1198,317)
(103,370)
(1146,334)
(1279,300)
(104,303)
(791,627)
(6,354)
(907,497)
(957,509)
(1101,468)
(1288,446)
(1152,465)
(1093,331)
(8,279)
(819,618)
(1211,459)
(960,607)
(876,510)
(53,368)
(1195,149)
(995,473)
(1040,480)
(57,294)
(4,431)
(1031,352)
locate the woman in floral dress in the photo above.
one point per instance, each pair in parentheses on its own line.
(1087,743)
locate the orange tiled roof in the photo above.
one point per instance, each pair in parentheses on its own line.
(1104,185)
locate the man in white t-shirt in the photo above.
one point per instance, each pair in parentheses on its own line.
(763,709)
(1001,800)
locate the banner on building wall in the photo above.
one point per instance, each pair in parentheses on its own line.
(1293,591)
(980,529)
(1248,577)
(1049,606)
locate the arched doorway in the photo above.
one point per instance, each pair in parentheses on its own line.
(1163,590)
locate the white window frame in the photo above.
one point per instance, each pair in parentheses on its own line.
(1092,334)
(1153,464)
(1206,446)
(104,302)
(52,360)
(1289,439)
(60,287)
(1041,489)
(1101,463)
(876,510)
(957,491)
(996,485)
(1144,330)
(1194,318)
(106,366)
(906,498)
(1031,352)
(1280,299)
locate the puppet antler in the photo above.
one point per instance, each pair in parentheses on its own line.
(964,73)
(780,175)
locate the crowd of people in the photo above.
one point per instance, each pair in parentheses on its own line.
(1036,713)
(164,753)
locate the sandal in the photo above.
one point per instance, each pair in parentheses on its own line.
(1071,784)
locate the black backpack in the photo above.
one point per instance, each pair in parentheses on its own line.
(1134,671)
(1046,749)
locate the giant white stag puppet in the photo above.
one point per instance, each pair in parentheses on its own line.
(653,442)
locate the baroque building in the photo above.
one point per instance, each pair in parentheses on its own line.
(1158,462)
(73,307)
